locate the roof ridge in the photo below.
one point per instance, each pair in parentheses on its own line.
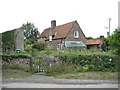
(61,24)
(65,24)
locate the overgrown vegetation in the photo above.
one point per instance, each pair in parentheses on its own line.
(83,61)
(6,55)
(39,46)
(8,40)
(114,41)
(15,71)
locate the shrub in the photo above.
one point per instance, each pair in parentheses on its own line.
(27,42)
(60,68)
(32,70)
(28,48)
(91,62)
(39,46)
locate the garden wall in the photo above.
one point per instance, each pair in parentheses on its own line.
(16,61)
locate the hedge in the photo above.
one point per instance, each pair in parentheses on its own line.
(92,62)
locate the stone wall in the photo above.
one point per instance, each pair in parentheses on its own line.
(21,62)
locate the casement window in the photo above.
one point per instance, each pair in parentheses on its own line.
(50,38)
(76,34)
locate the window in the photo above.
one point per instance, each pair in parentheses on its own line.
(76,34)
(50,38)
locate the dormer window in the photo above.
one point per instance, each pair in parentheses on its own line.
(50,38)
(76,34)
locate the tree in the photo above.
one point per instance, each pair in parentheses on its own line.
(114,41)
(105,46)
(90,38)
(30,31)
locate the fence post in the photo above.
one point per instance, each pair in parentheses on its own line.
(31,62)
(39,64)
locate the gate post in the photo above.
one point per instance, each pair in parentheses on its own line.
(31,62)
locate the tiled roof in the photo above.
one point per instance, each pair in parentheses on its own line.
(93,41)
(59,31)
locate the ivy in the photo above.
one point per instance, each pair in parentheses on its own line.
(8,39)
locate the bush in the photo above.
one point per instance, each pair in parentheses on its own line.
(28,48)
(32,70)
(39,46)
(91,62)
(60,68)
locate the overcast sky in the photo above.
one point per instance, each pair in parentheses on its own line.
(92,15)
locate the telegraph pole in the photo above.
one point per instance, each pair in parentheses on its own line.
(109,25)
(108,33)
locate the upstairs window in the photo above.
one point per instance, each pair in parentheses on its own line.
(50,38)
(76,34)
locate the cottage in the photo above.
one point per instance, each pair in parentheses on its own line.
(66,36)
(95,43)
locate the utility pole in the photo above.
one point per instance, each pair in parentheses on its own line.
(108,33)
(109,25)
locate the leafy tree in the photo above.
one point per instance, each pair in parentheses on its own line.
(30,31)
(90,38)
(97,38)
(114,41)
(105,46)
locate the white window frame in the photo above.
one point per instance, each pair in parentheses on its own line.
(50,38)
(76,36)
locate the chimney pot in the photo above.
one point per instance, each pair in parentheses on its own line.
(53,24)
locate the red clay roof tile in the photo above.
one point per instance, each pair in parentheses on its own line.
(61,31)
(93,41)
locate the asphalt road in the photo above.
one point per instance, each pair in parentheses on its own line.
(39,81)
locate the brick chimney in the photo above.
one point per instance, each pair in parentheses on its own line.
(53,24)
(101,37)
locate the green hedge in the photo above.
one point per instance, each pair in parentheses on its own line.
(91,62)
(6,56)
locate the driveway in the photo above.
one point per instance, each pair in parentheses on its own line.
(39,81)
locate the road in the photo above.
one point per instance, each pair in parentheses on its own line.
(39,81)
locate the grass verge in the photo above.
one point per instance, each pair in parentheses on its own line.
(90,76)
(11,73)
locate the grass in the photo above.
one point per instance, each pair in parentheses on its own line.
(11,73)
(90,76)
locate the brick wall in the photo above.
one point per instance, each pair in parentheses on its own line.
(70,36)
